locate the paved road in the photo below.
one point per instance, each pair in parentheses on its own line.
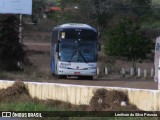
(140,84)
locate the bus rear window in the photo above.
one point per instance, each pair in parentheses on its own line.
(82,34)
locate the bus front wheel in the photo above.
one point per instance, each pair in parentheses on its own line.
(62,76)
(85,77)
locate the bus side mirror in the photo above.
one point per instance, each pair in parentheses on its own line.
(99,46)
(57,48)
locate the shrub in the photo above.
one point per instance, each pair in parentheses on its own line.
(127,39)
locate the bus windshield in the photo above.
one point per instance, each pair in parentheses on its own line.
(82,51)
(82,34)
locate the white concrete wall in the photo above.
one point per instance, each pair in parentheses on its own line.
(148,100)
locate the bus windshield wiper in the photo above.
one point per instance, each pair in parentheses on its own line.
(82,56)
(72,56)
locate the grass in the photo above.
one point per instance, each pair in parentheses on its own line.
(28,106)
(29,73)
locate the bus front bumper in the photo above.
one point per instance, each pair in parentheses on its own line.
(92,72)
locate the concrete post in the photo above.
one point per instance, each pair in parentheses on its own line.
(152,73)
(123,72)
(132,71)
(106,71)
(139,72)
(98,71)
(145,73)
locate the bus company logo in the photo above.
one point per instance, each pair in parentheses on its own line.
(66,64)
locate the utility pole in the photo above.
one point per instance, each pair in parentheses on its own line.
(21,29)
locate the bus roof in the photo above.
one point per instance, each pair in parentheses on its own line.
(75,25)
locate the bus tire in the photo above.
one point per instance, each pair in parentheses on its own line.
(62,76)
(80,77)
(53,75)
(85,77)
(90,77)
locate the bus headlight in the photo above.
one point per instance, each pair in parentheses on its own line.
(89,68)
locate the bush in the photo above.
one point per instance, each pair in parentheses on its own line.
(127,39)
(110,100)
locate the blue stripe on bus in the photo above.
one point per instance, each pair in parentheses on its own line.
(52,67)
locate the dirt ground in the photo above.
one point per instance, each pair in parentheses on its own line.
(40,58)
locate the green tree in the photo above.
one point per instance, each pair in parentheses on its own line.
(141,7)
(11,51)
(127,39)
(100,12)
(97,12)
(38,9)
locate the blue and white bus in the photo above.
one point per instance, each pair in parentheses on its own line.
(74,51)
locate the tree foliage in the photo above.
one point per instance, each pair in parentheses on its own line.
(141,7)
(100,12)
(38,9)
(127,39)
(11,51)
